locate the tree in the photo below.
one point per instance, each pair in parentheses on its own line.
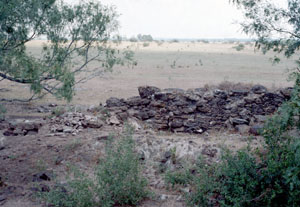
(275,27)
(145,38)
(76,36)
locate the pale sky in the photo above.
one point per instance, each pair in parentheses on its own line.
(178,18)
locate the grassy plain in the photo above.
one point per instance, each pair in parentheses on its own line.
(173,65)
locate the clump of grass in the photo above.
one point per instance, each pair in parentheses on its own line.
(117,180)
(146,44)
(239,47)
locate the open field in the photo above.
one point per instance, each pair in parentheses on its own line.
(173,65)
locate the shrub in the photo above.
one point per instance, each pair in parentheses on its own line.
(239,47)
(117,180)
(133,39)
(240,180)
(118,174)
(182,177)
(146,44)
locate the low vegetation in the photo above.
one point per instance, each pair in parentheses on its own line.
(117,180)
(239,47)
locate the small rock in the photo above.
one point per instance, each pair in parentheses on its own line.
(163,197)
(114,120)
(43,176)
(237,121)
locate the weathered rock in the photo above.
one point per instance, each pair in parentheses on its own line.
(113,120)
(259,89)
(92,123)
(147,91)
(237,121)
(114,102)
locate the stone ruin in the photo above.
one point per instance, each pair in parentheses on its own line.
(200,109)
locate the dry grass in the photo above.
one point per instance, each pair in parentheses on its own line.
(173,65)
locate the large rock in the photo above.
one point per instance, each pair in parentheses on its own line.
(23,127)
(114,102)
(147,91)
(259,89)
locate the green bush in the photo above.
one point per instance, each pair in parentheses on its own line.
(245,178)
(146,44)
(239,47)
(117,180)
(118,174)
(182,177)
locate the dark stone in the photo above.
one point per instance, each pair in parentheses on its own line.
(114,102)
(167,155)
(237,121)
(137,101)
(161,96)
(92,124)
(177,123)
(147,91)
(259,89)
(43,176)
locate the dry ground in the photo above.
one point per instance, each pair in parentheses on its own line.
(173,65)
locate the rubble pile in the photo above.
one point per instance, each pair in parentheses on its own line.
(200,109)
(74,122)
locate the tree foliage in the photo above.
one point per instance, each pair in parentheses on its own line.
(76,36)
(275,27)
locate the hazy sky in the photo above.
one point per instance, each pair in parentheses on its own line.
(178,18)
